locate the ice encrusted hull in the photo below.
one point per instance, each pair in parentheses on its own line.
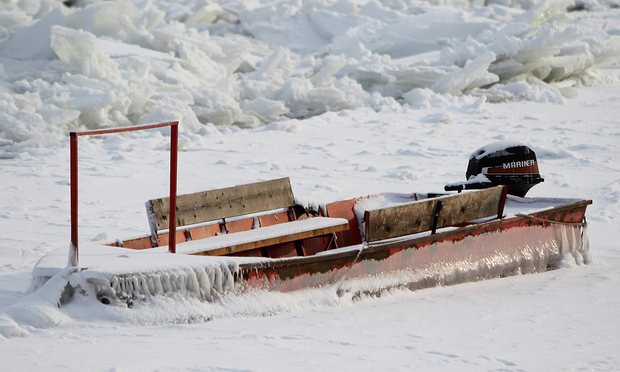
(520,250)
(374,270)
(206,283)
(538,257)
(118,275)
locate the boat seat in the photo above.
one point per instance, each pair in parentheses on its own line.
(433,213)
(264,236)
(255,219)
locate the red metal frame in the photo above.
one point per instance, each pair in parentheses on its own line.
(174,141)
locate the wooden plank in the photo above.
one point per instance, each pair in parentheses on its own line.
(399,220)
(412,218)
(224,203)
(273,241)
(469,206)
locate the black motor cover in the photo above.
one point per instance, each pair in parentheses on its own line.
(510,164)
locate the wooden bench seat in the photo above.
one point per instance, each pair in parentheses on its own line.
(257,219)
(264,236)
(433,213)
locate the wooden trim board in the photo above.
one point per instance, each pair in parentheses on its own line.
(412,218)
(223,203)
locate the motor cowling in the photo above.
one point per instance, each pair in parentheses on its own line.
(501,163)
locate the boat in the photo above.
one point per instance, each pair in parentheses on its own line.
(227,241)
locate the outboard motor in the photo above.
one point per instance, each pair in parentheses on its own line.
(501,163)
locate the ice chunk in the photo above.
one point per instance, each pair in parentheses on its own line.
(474,74)
(266,110)
(545,11)
(116,19)
(288,27)
(563,67)
(33,42)
(278,67)
(530,89)
(330,24)
(117,49)
(80,53)
(416,77)
(424,98)
(206,14)
(608,52)
(216,107)
(171,110)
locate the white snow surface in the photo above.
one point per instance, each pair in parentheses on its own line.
(355,98)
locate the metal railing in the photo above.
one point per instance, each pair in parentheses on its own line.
(174,140)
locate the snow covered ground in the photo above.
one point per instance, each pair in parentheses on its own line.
(346,98)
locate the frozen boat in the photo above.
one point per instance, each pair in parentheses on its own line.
(226,241)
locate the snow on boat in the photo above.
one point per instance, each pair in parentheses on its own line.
(219,242)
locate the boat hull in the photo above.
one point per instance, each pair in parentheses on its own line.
(517,245)
(520,244)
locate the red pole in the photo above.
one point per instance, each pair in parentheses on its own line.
(73,146)
(172,231)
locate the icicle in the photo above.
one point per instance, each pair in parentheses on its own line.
(159,289)
(585,243)
(165,281)
(565,246)
(122,286)
(115,285)
(144,287)
(217,281)
(204,287)
(192,282)
(175,281)
(135,286)
(128,287)
(566,254)
(227,277)
(151,285)
(181,283)
(575,252)
(211,276)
